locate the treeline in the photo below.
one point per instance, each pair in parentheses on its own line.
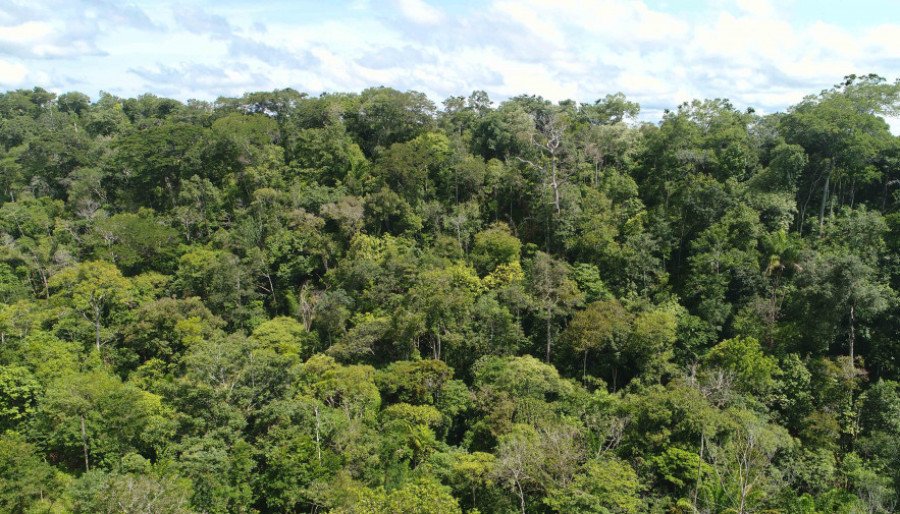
(364,303)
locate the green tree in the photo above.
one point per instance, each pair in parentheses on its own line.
(25,478)
(601,326)
(604,486)
(96,290)
(554,293)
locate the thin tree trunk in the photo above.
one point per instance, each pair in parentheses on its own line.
(699,472)
(555,185)
(436,350)
(852,334)
(549,337)
(824,198)
(318,440)
(97,326)
(521,496)
(584,367)
(84,444)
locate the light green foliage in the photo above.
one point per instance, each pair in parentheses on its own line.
(116,417)
(103,493)
(284,335)
(413,414)
(95,290)
(754,371)
(605,486)
(520,390)
(495,246)
(680,468)
(19,391)
(425,497)
(351,389)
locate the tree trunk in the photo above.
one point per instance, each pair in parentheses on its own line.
(521,494)
(555,185)
(824,198)
(44,282)
(699,473)
(584,367)
(549,337)
(84,445)
(852,334)
(97,326)
(318,440)
(436,350)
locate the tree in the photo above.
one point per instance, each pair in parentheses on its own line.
(842,131)
(96,290)
(520,390)
(754,372)
(600,326)
(553,292)
(25,478)
(835,293)
(518,462)
(602,486)
(381,116)
(284,335)
(422,497)
(135,241)
(495,246)
(103,493)
(743,460)
(95,418)
(445,297)
(19,391)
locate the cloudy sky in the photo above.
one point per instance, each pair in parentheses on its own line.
(760,53)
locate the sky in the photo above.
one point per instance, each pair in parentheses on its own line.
(660,53)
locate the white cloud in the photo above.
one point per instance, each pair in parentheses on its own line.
(26,33)
(758,8)
(419,11)
(12,74)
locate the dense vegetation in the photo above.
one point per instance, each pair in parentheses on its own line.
(362,303)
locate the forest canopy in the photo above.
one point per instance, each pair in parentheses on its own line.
(366,303)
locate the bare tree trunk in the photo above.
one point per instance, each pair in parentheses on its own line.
(436,349)
(271,287)
(84,444)
(549,337)
(699,472)
(852,334)
(555,184)
(584,367)
(45,282)
(318,440)
(97,326)
(521,494)
(824,198)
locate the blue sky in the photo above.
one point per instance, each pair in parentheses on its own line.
(760,53)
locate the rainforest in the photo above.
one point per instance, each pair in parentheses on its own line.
(372,303)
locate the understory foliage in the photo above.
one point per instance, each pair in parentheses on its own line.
(365,303)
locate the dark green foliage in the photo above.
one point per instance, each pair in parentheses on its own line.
(360,303)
